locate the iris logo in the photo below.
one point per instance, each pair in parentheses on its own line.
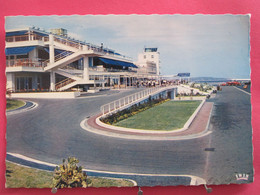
(242,176)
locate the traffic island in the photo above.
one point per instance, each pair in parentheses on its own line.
(171,115)
(196,126)
(12,104)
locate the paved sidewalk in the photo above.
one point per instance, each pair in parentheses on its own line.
(198,126)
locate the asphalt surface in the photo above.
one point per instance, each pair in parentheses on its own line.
(248,89)
(231,137)
(52,132)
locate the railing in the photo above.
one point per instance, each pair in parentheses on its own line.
(25,62)
(60,56)
(116,105)
(45,39)
(63,83)
(69,72)
(94,48)
(69,67)
(68,42)
(25,38)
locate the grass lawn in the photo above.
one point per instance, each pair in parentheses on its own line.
(13,104)
(167,116)
(19,176)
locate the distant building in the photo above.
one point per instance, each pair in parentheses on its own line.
(60,31)
(149,61)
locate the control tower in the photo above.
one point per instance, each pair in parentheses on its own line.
(150,55)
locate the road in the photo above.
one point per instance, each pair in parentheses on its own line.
(52,132)
(231,137)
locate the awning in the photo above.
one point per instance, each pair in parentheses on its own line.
(18,50)
(117,63)
(24,32)
(16,33)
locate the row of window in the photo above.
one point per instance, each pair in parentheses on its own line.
(152,56)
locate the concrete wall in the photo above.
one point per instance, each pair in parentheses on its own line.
(10,81)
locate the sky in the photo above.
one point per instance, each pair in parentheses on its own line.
(204,45)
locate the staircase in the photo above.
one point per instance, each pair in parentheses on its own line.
(64,60)
(60,56)
(63,83)
(73,51)
(70,74)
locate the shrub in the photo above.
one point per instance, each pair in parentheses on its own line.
(135,109)
(69,175)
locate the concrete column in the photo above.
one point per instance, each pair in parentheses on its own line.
(51,49)
(85,47)
(86,68)
(103,83)
(34,82)
(10,81)
(29,36)
(91,62)
(52,81)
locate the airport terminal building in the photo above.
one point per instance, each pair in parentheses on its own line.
(37,60)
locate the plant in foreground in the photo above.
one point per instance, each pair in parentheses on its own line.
(69,175)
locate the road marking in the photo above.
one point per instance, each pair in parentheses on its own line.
(242,90)
(195,180)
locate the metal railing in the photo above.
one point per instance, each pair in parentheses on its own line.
(60,56)
(70,72)
(25,63)
(118,104)
(19,38)
(63,83)
(92,47)
(68,42)
(70,67)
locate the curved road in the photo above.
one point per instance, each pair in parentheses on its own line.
(52,132)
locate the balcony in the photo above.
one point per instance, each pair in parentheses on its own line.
(25,65)
(33,37)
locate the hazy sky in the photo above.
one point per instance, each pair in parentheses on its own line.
(204,45)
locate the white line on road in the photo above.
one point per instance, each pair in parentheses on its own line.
(242,90)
